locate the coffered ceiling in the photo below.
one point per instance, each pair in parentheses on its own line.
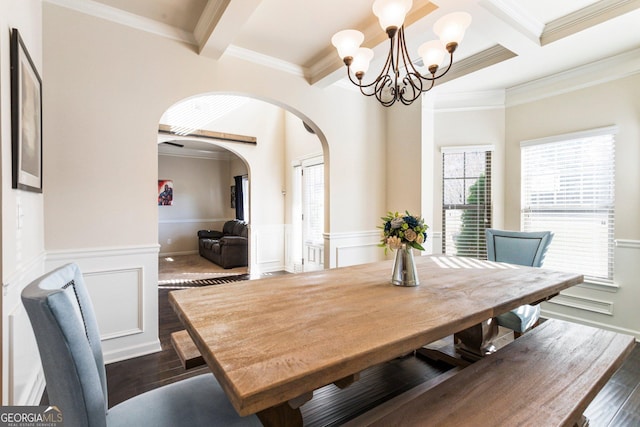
(510,42)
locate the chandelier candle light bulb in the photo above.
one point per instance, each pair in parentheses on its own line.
(391,85)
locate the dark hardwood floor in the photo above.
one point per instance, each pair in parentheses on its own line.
(617,405)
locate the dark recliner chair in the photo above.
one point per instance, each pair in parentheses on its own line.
(228,248)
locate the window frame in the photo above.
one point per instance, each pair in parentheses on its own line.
(486,208)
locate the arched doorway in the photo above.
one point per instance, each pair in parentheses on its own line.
(281,139)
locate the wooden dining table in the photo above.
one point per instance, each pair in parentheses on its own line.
(271,342)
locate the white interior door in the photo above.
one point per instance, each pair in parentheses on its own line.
(313,216)
(310,212)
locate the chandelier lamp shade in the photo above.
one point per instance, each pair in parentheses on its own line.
(399,79)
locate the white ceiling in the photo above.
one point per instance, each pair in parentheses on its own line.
(510,42)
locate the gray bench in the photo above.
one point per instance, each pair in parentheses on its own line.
(547,377)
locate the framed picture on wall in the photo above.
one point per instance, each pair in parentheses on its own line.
(26,118)
(165,192)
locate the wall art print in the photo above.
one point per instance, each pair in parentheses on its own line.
(26,118)
(165,192)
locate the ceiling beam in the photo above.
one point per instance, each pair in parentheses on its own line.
(220,23)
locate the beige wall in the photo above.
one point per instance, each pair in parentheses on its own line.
(96,129)
(548,113)
(22,211)
(403,183)
(614,103)
(107,87)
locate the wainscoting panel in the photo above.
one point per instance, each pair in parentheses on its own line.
(23,382)
(267,249)
(354,248)
(609,306)
(582,303)
(122,289)
(123,283)
(26,380)
(358,254)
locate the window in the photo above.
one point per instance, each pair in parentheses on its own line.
(313,203)
(568,188)
(466,200)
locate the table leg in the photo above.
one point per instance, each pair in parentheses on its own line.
(282,415)
(477,341)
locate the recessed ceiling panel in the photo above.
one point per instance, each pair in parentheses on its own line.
(295,31)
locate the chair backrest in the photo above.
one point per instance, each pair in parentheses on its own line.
(66,331)
(518,247)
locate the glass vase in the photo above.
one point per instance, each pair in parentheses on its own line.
(404,268)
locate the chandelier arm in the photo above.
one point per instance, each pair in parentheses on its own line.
(405,54)
(413,82)
(383,72)
(434,77)
(382,82)
(397,90)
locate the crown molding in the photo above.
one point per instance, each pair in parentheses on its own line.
(589,16)
(102,11)
(592,74)
(466,101)
(479,61)
(265,60)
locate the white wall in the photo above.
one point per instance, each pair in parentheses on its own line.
(22,229)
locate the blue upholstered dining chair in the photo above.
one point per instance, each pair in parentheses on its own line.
(522,248)
(66,331)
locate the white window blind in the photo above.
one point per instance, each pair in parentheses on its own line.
(466,200)
(568,188)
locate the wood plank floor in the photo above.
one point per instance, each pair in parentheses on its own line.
(617,405)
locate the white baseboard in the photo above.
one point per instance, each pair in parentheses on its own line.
(131,352)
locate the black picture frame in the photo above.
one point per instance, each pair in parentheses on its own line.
(26,118)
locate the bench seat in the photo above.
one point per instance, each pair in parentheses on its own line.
(547,377)
(186,349)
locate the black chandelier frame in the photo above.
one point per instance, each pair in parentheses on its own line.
(406,89)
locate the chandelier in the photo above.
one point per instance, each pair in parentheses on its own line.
(399,79)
